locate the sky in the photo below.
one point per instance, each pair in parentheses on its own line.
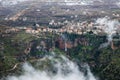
(68,2)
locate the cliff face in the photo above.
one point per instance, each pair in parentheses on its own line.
(62,44)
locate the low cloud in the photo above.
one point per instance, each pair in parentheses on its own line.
(66,70)
(109,27)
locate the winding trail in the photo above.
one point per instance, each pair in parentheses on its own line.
(20,63)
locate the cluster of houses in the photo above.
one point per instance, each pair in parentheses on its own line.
(70,27)
(77,28)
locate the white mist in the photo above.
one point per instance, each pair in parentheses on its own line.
(109,27)
(66,70)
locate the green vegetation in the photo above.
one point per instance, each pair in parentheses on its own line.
(23,37)
(104,62)
(9,62)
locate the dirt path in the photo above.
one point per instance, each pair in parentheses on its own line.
(20,63)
